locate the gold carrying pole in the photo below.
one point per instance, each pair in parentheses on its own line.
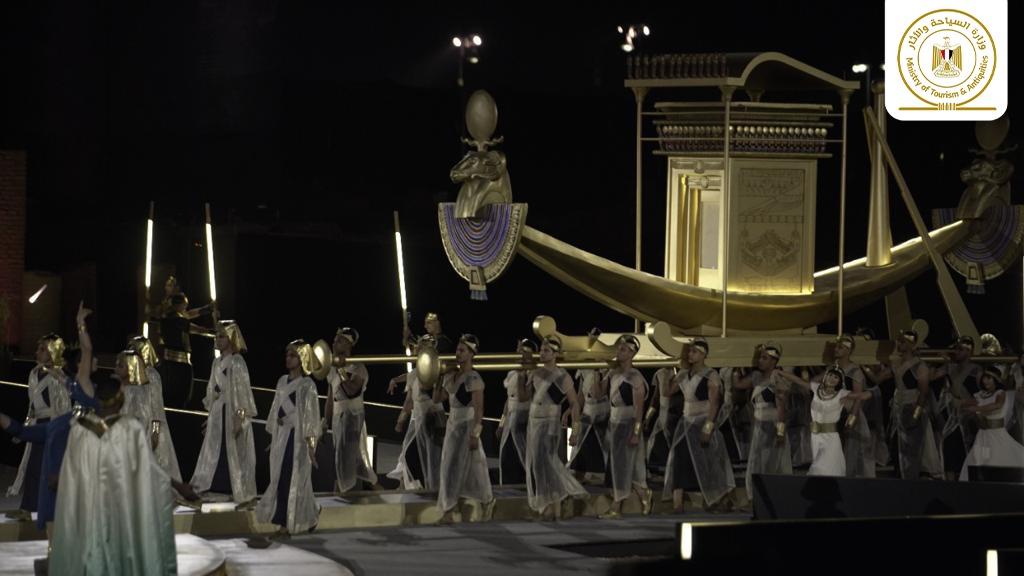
(640,93)
(692,270)
(844,95)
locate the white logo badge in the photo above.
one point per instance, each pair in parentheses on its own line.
(946,63)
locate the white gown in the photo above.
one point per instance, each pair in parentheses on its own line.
(145,403)
(994,446)
(301,416)
(826,447)
(513,435)
(228,391)
(115,505)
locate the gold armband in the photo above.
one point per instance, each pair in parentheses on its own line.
(651,414)
(311,441)
(918,411)
(708,427)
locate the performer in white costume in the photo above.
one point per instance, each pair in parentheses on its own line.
(993,445)
(145,403)
(419,463)
(514,420)
(463,462)
(227,460)
(347,415)
(294,425)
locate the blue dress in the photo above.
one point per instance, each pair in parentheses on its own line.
(53,435)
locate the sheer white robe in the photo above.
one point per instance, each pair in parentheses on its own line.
(60,403)
(303,417)
(351,457)
(228,391)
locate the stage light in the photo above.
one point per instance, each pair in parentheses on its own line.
(881,67)
(478,40)
(32,299)
(647,31)
(991,563)
(474,60)
(619,29)
(859,68)
(627,47)
(686,541)
(457,42)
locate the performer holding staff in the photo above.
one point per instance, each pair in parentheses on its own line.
(227,459)
(548,481)
(698,459)
(627,390)
(463,462)
(514,420)
(348,417)
(176,328)
(294,425)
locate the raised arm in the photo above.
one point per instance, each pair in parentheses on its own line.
(85,363)
(803,384)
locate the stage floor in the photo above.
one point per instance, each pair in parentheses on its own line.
(200,557)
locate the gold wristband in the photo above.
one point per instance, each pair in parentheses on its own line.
(851,420)
(918,411)
(636,429)
(403,416)
(780,429)
(477,430)
(311,441)
(708,427)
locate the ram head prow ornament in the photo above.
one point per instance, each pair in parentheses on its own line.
(483,173)
(480,231)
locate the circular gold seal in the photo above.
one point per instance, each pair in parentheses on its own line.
(947,58)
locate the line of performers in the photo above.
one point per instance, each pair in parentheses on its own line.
(102,473)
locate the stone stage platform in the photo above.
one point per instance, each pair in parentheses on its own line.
(199,557)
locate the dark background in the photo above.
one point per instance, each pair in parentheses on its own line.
(306,124)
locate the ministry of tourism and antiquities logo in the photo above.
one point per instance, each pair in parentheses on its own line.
(947,58)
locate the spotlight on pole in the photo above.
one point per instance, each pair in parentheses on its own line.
(477,40)
(859,68)
(457,42)
(647,31)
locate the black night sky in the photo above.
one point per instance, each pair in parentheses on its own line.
(306,124)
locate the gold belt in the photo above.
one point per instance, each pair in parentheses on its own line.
(179,357)
(823,428)
(987,424)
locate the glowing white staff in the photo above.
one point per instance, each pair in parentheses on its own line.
(209,265)
(401,287)
(149,267)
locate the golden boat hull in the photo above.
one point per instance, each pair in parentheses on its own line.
(684,306)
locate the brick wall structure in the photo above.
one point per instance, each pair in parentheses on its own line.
(12,236)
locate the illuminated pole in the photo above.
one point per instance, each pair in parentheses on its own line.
(209,265)
(149,267)
(401,286)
